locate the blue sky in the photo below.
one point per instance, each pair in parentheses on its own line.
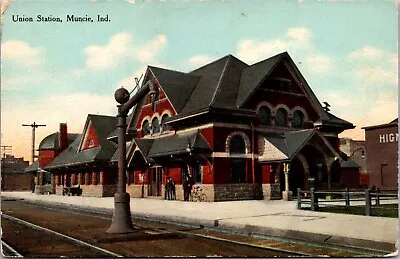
(60,72)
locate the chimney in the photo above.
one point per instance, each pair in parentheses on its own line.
(63,136)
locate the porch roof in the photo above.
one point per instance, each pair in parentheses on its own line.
(275,147)
(180,143)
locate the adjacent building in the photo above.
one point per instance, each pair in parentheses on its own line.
(13,177)
(238,131)
(381,143)
(354,169)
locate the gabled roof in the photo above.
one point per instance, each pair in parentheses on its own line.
(180,143)
(285,146)
(177,86)
(228,83)
(103,126)
(254,75)
(218,84)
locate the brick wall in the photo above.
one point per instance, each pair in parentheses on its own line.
(17,182)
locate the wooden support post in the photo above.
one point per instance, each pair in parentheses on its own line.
(367,202)
(377,197)
(314,200)
(347,197)
(298,199)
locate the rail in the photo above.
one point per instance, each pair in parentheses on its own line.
(348,198)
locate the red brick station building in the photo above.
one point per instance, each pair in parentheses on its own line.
(240,131)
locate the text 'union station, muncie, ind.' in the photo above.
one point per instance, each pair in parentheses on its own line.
(239,131)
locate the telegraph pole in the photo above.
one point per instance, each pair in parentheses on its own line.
(34,126)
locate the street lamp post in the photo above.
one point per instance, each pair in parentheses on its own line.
(121,221)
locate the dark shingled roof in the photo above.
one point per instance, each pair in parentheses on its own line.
(290,142)
(336,121)
(52,141)
(103,126)
(177,86)
(218,85)
(228,83)
(254,75)
(33,167)
(172,145)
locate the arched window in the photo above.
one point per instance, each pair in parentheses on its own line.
(298,119)
(265,115)
(155,125)
(237,145)
(238,165)
(164,126)
(281,118)
(146,127)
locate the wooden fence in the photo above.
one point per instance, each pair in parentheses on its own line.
(362,197)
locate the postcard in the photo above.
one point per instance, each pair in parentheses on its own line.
(199,128)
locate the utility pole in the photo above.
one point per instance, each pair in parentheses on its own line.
(34,126)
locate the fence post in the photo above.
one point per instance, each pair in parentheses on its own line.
(367,202)
(347,197)
(377,197)
(314,200)
(298,199)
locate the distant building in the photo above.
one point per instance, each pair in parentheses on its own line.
(355,159)
(13,177)
(381,142)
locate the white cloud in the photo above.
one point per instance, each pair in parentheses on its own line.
(373,66)
(71,108)
(148,51)
(121,47)
(295,39)
(102,57)
(319,64)
(22,53)
(301,34)
(200,60)
(366,52)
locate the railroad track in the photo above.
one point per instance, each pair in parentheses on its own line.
(53,238)
(9,250)
(271,243)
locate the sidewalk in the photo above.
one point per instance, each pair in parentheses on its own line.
(277,218)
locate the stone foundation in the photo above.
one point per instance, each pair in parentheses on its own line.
(271,191)
(232,192)
(44,189)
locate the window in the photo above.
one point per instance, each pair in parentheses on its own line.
(164,126)
(155,125)
(265,115)
(281,117)
(146,127)
(298,119)
(238,165)
(237,145)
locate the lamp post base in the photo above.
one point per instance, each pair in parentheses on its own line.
(121,221)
